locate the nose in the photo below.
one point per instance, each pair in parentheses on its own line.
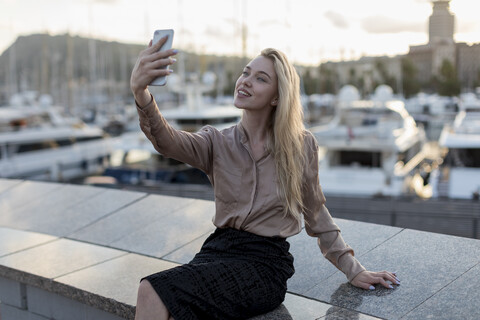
(246,81)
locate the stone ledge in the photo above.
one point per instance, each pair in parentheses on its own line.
(30,290)
(39,220)
(89,290)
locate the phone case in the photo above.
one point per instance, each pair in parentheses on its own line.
(157,35)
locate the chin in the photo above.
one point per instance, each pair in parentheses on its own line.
(236,105)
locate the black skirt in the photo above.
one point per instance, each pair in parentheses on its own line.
(236,275)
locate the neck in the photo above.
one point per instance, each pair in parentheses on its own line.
(256,126)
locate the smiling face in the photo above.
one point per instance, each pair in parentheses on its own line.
(257,86)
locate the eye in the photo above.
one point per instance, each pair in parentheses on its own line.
(244,73)
(261,79)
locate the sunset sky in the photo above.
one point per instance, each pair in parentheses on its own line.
(309,31)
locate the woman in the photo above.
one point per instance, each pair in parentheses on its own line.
(264,172)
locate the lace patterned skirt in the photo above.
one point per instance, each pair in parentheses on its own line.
(236,275)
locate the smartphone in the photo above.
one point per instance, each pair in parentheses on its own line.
(157,35)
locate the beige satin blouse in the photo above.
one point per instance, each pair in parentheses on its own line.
(245,190)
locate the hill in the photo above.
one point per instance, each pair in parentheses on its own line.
(82,72)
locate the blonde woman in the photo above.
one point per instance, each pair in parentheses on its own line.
(264,172)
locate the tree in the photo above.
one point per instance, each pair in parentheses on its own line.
(410,84)
(448,83)
(309,83)
(385,77)
(476,83)
(328,79)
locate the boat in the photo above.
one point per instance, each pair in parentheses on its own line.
(196,110)
(371,147)
(135,161)
(458,177)
(432,112)
(38,142)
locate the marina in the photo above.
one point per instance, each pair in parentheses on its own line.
(371,180)
(371,147)
(37,142)
(368,148)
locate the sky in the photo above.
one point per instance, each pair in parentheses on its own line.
(309,31)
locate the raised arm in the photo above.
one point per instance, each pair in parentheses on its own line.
(194,149)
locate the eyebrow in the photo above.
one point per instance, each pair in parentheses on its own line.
(263,72)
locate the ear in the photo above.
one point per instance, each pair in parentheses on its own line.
(274,101)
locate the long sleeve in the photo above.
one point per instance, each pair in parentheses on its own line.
(194,149)
(319,222)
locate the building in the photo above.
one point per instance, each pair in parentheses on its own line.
(427,59)
(468,66)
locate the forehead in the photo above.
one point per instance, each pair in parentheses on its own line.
(262,64)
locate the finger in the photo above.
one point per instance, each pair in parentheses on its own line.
(162,63)
(382,281)
(364,285)
(390,276)
(162,54)
(154,47)
(160,42)
(159,73)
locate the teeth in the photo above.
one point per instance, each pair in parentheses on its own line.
(244,93)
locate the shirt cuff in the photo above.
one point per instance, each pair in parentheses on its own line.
(145,106)
(350,266)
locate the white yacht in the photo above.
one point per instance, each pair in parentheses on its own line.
(197,111)
(433,112)
(459,174)
(371,147)
(136,162)
(37,142)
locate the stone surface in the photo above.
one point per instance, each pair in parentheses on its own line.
(425,262)
(12,293)
(336,313)
(117,278)
(12,240)
(58,257)
(94,204)
(458,300)
(300,308)
(171,231)
(439,273)
(20,195)
(48,219)
(303,308)
(8,312)
(311,268)
(6,184)
(53,306)
(186,253)
(130,219)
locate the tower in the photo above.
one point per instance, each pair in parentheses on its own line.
(441,24)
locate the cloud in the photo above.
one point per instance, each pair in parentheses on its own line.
(106,1)
(221,34)
(466,26)
(337,19)
(271,22)
(384,24)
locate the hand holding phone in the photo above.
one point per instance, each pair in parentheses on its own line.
(157,35)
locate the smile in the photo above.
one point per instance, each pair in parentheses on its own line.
(244,93)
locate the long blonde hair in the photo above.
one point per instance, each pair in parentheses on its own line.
(286,133)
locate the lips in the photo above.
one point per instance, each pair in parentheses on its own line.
(244,93)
